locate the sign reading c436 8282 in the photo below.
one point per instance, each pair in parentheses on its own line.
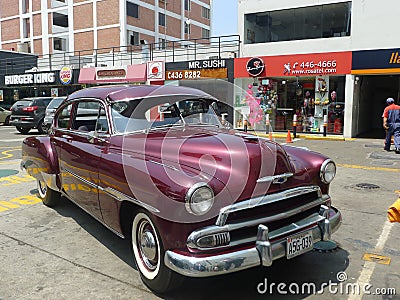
(196,74)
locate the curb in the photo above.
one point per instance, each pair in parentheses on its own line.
(308,137)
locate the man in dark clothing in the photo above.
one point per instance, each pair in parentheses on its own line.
(390,106)
(393,122)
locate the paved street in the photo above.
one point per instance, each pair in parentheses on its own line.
(65,254)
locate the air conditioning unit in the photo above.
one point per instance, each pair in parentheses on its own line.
(23,47)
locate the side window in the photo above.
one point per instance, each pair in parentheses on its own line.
(64,118)
(85,117)
(90,116)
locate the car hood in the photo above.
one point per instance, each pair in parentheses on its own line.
(246,164)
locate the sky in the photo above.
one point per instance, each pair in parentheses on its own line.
(224,17)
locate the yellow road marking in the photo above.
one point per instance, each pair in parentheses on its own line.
(380,259)
(23,200)
(8,155)
(9,162)
(368,168)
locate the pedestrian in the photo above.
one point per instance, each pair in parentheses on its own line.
(389,131)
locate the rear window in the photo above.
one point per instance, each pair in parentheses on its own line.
(22,103)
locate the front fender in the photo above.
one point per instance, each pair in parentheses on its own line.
(39,159)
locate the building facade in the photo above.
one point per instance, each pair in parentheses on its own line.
(52,26)
(323,60)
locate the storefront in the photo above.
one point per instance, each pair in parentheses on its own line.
(52,83)
(213,76)
(135,74)
(377,77)
(277,89)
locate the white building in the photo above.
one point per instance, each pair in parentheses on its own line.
(349,46)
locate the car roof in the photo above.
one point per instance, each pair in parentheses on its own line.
(35,98)
(123,92)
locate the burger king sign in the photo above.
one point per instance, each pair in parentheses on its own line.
(66,75)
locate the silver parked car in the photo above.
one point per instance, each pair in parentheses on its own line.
(50,110)
(4,116)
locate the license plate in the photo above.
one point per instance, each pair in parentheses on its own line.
(299,244)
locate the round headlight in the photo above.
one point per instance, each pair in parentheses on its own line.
(199,199)
(328,171)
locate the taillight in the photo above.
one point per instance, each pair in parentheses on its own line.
(30,108)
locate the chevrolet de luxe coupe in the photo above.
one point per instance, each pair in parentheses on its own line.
(158,165)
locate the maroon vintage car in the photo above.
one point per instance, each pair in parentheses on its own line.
(197,198)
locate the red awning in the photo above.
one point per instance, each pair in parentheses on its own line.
(136,73)
(87,75)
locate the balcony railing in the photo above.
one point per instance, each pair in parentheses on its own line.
(171,51)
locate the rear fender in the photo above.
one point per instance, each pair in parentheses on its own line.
(39,159)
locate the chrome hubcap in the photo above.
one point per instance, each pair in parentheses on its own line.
(147,245)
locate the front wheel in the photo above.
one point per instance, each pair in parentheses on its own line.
(149,255)
(42,127)
(48,196)
(7,121)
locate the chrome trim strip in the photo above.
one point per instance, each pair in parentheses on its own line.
(121,197)
(234,261)
(114,193)
(276,179)
(262,200)
(164,165)
(195,235)
(84,180)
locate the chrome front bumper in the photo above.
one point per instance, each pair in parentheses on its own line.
(264,252)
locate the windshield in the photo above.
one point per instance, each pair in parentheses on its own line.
(153,114)
(55,103)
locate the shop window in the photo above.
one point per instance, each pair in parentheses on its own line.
(161,19)
(132,9)
(60,20)
(321,21)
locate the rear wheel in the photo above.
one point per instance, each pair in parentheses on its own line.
(48,196)
(149,255)
(7,121)
(23,130)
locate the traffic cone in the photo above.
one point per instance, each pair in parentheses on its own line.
(289,137)
(270,136)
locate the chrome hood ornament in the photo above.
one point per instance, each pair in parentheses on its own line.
(275,179)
